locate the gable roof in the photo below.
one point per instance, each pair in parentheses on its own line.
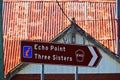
(41,20)
(69,29)
(89,38)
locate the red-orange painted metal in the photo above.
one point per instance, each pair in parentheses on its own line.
(64,0)
(43,20)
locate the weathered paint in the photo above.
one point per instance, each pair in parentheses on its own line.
(118,26)
(64,0)
(42,20)
(104,67)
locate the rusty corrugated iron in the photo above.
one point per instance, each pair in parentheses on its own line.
(64,0)
(43,20)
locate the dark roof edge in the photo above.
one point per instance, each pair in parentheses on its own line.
(20,66)
(61,34)
(15,70)
(97,43)
(88,37)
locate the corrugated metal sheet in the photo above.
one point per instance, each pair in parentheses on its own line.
(40,20)
(64,0)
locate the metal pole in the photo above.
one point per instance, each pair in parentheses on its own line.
(1,45)
(76,69)
(73,41)
(42,73)
(76,73)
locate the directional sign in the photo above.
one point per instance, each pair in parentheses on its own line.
(56,53)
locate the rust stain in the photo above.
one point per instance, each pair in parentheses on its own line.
(64,0)
(42,20)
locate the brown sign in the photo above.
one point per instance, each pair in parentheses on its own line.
(55,53)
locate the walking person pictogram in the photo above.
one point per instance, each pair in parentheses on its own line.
(27,51)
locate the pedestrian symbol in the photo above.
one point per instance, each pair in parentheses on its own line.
(27,51)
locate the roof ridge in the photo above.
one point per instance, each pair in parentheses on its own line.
(61,34)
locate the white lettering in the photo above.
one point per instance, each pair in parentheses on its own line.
(35,46)
(57,48)
(35,56)
(40,47)
(61,58)
(42,57)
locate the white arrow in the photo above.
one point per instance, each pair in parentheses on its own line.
(94,54)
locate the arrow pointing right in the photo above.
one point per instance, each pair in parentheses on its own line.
(94,54)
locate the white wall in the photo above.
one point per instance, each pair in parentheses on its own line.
(106,65)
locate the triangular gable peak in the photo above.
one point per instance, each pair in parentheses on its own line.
(82,38)
(73,34)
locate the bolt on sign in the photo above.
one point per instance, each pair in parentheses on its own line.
(57,53)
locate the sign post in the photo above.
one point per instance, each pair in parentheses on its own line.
(62,54)
(73,41)
(42,73)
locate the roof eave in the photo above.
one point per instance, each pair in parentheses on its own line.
(60,35)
